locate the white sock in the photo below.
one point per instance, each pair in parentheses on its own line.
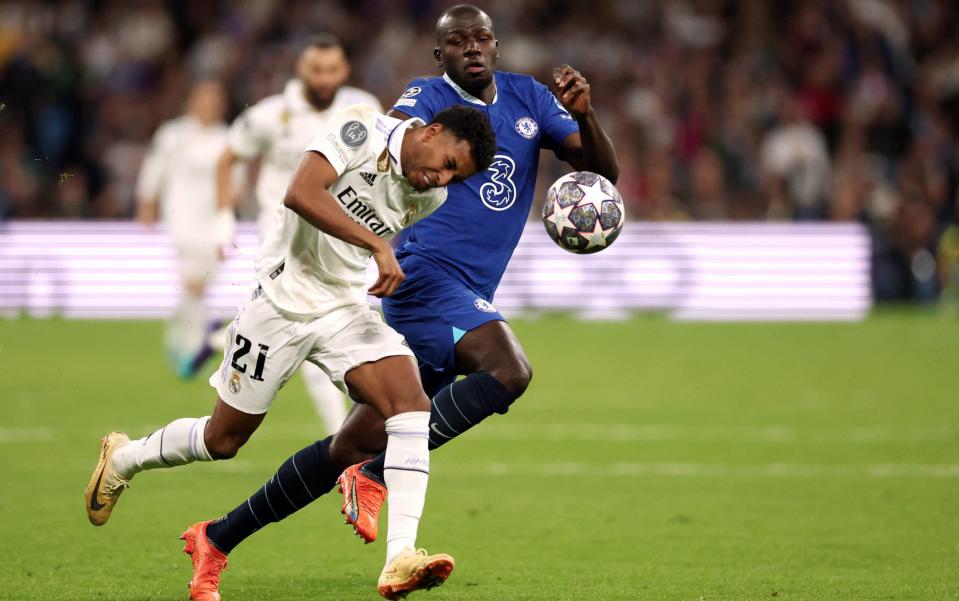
(327,398)
(406,473)
(178,443)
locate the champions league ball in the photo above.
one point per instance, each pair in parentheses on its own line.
(583,212)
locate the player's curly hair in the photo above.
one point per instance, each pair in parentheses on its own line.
(471,125)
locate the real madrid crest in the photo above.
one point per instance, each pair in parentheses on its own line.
(235,383)
(410,214)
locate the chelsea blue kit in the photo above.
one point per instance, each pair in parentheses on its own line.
(454,259)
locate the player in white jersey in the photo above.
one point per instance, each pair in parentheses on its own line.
(178,181)
(363,178)
(276,130)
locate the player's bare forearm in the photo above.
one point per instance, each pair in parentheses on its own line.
(596,152)
(308,196)
(320,211)
(225,197)
(590,149)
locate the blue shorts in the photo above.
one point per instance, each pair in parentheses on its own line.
(433,309)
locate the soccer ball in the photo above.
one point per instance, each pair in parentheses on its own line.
(583,212)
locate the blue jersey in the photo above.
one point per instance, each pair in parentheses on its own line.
(474,233)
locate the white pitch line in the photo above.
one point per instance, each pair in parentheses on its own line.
(26,435)
(574,469)
(775,434)
(700,470)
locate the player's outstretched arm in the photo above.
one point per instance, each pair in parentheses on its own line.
(226,196)
(308,196)
(590,149)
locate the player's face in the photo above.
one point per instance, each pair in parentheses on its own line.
(467,51)
(322,71)
(208,102)
(439,159)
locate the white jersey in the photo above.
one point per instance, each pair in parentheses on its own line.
(179,171)
(306,272)
(278,129)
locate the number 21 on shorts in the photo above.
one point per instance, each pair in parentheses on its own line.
(243,348)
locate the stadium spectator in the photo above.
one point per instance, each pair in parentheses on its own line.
(845,110)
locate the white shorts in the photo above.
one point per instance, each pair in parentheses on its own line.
(198,260)
(266,346)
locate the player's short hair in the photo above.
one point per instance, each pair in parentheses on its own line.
(471,125)
(455,11)
(323,41)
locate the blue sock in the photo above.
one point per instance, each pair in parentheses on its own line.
(455,409)
(301,479)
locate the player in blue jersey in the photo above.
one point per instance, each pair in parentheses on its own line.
(453,261)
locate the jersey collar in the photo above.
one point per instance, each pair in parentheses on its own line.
(394,143)
(466,95)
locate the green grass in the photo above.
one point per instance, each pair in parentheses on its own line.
(649,460)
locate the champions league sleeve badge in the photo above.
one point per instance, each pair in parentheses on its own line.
(353,134)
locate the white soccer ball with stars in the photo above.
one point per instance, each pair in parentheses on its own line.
(584,212)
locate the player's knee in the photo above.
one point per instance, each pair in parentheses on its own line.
(409,402)
(515,376)
(224,446)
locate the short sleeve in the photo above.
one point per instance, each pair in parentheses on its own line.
(247,135)
(344,139)
(555,121)
(419,100)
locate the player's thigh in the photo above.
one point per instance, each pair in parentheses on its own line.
(390,385)
(372,362)
(491,347)
(434,314)
(198,262)
(263,350)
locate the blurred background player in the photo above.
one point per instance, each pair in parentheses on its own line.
(276,130)
(178,181)
(454,261)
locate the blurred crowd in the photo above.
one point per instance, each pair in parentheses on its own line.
(830,110)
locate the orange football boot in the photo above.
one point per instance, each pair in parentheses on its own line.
(208,563)
(363,497)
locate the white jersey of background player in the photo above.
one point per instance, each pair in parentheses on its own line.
(276,130)
(178,181)
(363,178)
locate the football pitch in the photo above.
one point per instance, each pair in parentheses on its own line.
(649,460)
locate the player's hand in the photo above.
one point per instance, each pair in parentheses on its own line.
(147,213)
(224,229)
(572,90)
(390,273)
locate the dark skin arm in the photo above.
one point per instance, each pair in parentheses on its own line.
(308,196)
(398,115)
(590,149)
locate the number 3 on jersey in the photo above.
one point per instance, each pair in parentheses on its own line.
(244,348)
(499,193)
